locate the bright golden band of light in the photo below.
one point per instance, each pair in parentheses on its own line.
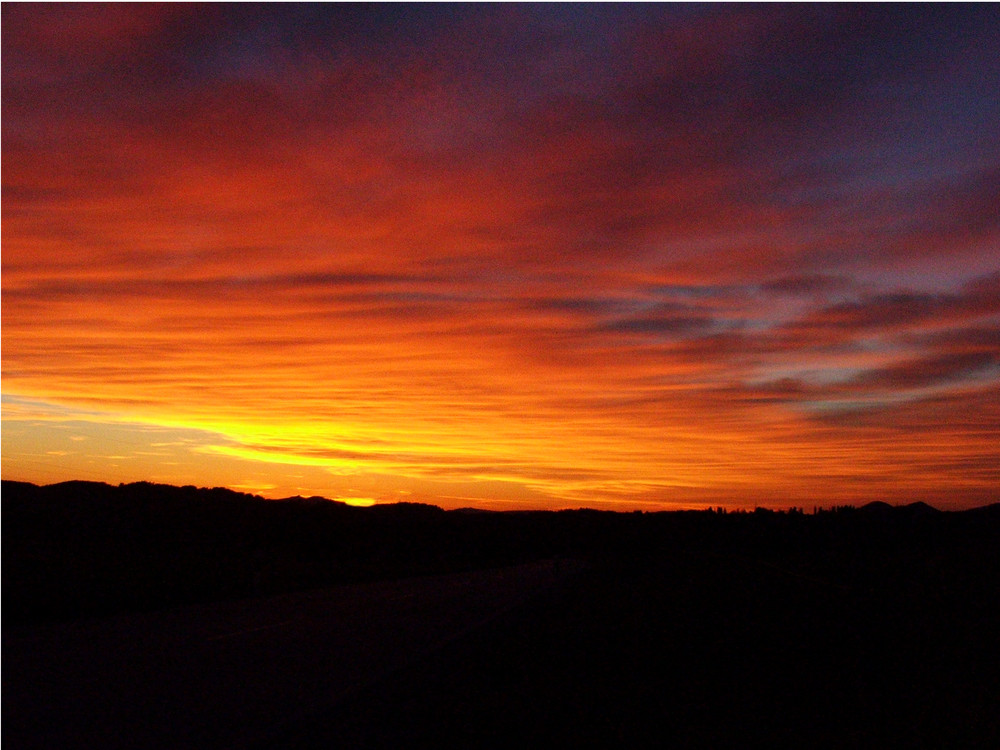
(517,257)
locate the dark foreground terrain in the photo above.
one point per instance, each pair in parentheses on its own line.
(160,617)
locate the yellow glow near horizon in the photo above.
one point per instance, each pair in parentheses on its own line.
(358,502)
(560,285)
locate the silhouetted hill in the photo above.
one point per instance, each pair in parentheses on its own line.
(79,549)
(920,507)
(853,627)
(876,506)
(985,511)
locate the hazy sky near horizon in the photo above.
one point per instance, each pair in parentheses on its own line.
(619,256)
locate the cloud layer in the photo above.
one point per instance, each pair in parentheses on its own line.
(627,256)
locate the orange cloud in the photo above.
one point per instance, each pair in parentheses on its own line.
(359,259)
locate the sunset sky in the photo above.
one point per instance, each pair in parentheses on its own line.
(505,256)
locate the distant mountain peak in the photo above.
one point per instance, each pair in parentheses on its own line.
(921,507)
(877,506)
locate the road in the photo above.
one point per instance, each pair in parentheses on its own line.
(229,674)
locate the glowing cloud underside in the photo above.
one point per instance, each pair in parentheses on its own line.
(505,256)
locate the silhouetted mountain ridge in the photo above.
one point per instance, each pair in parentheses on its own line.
(880,506)
(77,549)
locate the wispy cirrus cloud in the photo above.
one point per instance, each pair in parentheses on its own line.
(641,254)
